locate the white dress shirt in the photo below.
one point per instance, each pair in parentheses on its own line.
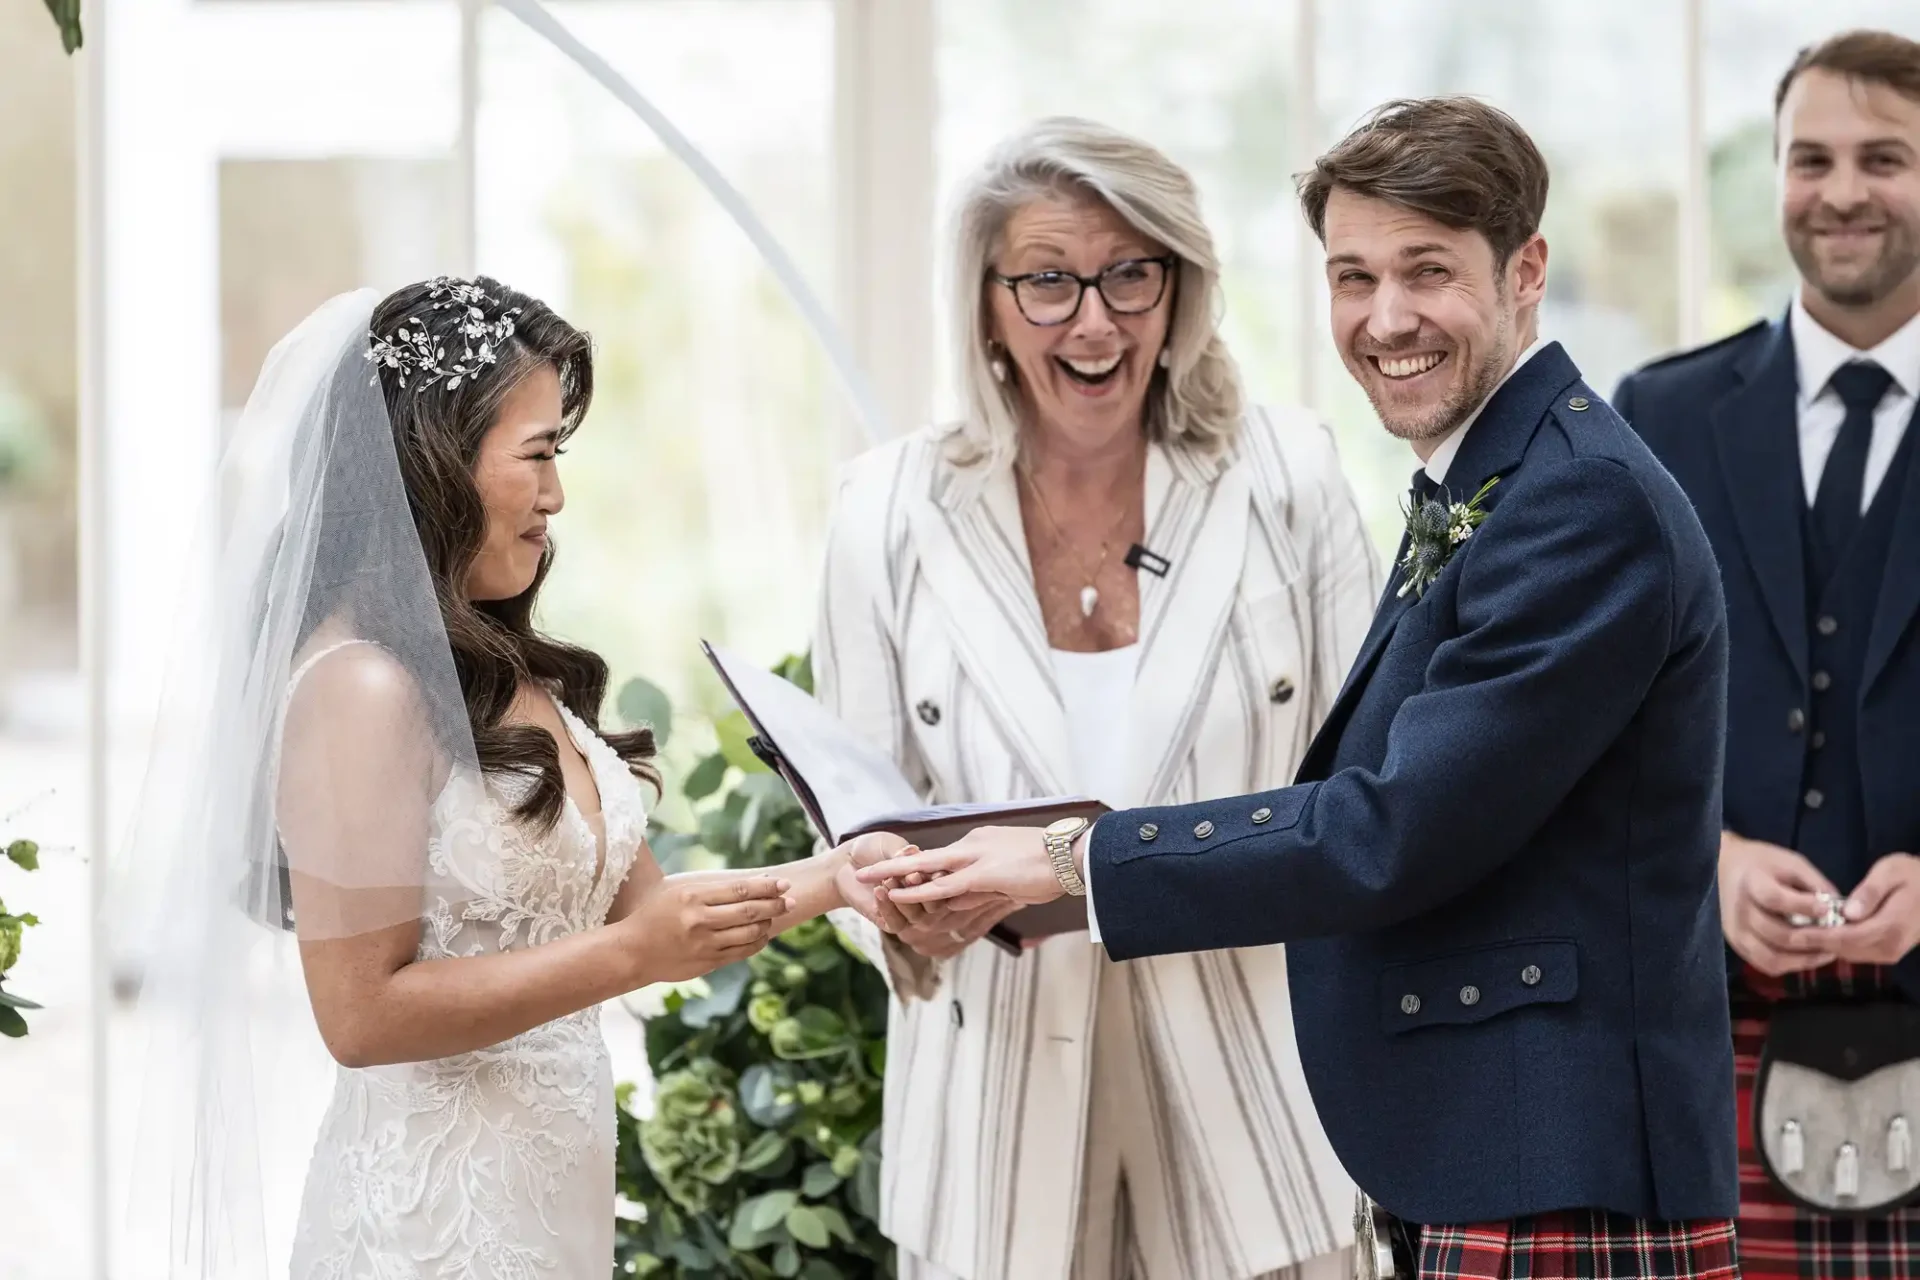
(1437,464)
(1817,353)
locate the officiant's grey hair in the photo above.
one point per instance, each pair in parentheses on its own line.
(1195,402)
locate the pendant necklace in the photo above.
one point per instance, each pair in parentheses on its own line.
(1089,594)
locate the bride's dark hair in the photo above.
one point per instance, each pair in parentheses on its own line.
(437,433)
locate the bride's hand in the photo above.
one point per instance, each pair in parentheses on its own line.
(697,921)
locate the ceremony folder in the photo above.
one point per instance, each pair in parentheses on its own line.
(849,787)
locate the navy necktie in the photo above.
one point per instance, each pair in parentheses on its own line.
(1836,504)
(1423,487)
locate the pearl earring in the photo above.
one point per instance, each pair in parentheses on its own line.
(1166,358)
(998,368)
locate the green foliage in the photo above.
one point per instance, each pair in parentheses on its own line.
(24,854)
(762,1156)
(67,14)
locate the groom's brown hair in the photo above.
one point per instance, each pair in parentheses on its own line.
(1455,159)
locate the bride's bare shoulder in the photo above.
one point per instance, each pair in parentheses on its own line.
(351,679)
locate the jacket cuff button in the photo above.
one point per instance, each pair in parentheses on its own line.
(1148,832)
(1262,815)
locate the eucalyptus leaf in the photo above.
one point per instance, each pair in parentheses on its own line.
(808,1227)
(11,1023)
(786,1260)
(706,777)
(797,669)
(769,1210)
(733,731)
(641,702)
(835,1221)
(761,1089)
(719,831)
(763,1151)
(742,1235)
(821,1269)
(67,14)
(670,849)
(820,1180)
(10,1001)
(725,986)
(863,1191)
(751,823)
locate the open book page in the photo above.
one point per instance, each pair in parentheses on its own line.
(852,781)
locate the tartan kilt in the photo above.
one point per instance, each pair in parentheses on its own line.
(1779,1240)
(1580,1244)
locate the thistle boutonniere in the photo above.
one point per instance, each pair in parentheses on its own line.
(1435,529)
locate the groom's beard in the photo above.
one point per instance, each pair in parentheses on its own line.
(1472,386)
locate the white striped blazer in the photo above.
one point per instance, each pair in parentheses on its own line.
(930,643)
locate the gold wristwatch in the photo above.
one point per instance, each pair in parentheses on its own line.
(1060,836)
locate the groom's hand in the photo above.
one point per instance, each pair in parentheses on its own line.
(1007,862)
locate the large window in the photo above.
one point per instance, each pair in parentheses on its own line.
(697,492)
(1217,84)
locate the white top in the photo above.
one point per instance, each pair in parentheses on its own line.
(1096,690)
(1444,452)
(1817,353)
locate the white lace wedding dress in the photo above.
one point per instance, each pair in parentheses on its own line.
(496,1164)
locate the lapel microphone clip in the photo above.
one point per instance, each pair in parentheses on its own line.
(1138,557)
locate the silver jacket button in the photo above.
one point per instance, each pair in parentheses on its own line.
(1531,975)
(1148,831)
(1469,995)
(1262,815)
(1202,831)
(1409,1004)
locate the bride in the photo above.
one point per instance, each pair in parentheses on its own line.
(386,758)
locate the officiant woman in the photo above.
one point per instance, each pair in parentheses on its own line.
(1113,578)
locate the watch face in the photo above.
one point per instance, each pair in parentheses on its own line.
(1066,826)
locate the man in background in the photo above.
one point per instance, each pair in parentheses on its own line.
(1795,440)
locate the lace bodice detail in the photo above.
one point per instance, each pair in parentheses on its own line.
(495,1164)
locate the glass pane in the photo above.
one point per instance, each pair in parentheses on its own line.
(43,1095)
(296,232)
(1600,90)
(1749,45)
(1205,81)
(697,493)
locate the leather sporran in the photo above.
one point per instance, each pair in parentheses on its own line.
(1375,1235)
(1836,1106)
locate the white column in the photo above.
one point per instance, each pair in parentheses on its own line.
(1306,146)
(1695,213)
(466,142)
(885,100)
(96,593)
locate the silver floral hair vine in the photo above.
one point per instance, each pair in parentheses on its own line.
(420,358)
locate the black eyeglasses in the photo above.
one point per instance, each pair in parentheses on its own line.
(1128,288)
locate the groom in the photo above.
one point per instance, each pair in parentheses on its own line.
(1496,869)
